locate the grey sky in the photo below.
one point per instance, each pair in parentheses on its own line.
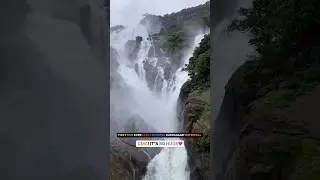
(128,12)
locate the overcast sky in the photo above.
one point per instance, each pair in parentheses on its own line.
(130,11)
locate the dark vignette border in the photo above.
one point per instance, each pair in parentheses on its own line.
(28,126)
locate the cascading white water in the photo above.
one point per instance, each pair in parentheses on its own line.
(158,109)
(155,103)
(171,163)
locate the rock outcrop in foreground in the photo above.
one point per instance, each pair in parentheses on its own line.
(195,117)
(258,140)
(268,125)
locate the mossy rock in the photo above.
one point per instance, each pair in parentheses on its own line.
(196,92)
(283,157)
(204,143)
(205,113)
(290,84)
(270,158)
(204,121)
(280,98)
(202,114)
(307,166)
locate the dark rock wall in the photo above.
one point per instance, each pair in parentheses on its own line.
(53,90)
(253,139)
(229,51)
(195,121)
(260,141)
(227,127)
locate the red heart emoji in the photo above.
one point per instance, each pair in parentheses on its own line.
(180,143)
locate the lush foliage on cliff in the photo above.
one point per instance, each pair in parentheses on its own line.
(192,17)
(117,28)
(199,66)
(286,36)
(177,40)
(180,27)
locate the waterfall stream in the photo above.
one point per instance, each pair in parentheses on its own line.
(150,90)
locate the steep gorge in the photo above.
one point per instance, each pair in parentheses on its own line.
(148,64)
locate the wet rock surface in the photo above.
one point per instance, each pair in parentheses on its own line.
(117,28)
(194,114)
(133,161)
(137,124)
(114,64)
(132,48)
(158,70)
(261,141)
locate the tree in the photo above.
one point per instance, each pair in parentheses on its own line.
(283,32)
(199,64)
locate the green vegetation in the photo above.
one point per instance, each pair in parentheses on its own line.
(279,98)
(284,157)
(196,92)
(286,36)
(204,143)
(177,41)
(307,166)
(204,120)
(205,113)
(287,89)
(180,28)
(272,157)
(199,67)
(193,17)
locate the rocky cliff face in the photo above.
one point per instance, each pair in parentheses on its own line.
(260,131)
(194,110)
(229,52)
(127,161)
(259,141)
(133,161)
(223,65)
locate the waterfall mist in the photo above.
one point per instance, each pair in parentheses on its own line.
(130,12)
(145,86)
(223,65)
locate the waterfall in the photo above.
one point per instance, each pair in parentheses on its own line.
(149,89)
(157,108)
